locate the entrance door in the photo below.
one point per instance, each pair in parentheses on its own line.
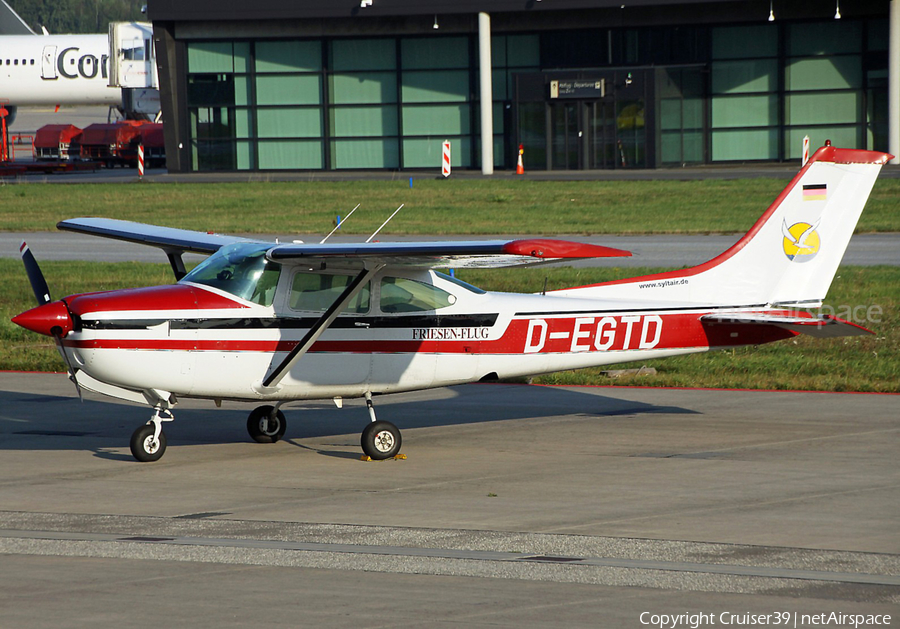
(566,135)
(597,134)
(602,130)
(48,63)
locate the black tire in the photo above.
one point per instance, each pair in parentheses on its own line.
(271,433)
(381,440)
(142,446)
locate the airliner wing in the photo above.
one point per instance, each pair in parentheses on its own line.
(825,326)
(441,254)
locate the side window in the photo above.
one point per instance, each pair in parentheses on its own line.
(317,291)
(399,294)
(264,291)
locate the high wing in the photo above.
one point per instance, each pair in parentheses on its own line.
(825,326)
(174,242)
(443,254)
(166,238)
(449,254)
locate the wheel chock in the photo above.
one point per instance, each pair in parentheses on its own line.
(396,457)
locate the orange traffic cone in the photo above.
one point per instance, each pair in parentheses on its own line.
(520,167)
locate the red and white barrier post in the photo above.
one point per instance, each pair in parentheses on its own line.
(805,150)
(445,162)
(141,161)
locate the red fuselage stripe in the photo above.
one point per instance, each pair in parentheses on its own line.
(539,336)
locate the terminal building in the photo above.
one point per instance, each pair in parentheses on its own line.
(276,85)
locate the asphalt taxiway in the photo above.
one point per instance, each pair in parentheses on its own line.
(668,250)
(517,506)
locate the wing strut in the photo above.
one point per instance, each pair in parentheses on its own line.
(177,263)
(327,318)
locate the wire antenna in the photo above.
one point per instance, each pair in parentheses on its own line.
(338,226)
(386,222)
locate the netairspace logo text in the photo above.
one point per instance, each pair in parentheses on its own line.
(784,619)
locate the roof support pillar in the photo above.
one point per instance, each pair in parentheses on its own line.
(486,93)
(894,83)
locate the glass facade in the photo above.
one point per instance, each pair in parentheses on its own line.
(744,88)
(713,94)
(368,103)
(682,115)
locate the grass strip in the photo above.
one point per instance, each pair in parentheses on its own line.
(456,206)
(869,363)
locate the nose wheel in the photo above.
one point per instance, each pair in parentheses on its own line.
(148,442)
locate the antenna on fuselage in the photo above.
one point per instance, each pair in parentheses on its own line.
(338,226)
(386,222)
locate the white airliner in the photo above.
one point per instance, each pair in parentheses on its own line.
(53,70)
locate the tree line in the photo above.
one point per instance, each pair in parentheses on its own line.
(77,16)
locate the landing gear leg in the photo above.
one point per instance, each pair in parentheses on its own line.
(148,443)
(380,440)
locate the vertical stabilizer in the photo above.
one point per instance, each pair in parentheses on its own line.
(788,257)
(11,23)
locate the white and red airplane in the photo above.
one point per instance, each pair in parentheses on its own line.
(267,322)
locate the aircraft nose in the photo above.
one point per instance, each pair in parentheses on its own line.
(50,319)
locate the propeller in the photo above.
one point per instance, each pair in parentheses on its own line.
(42,294)
(38,283)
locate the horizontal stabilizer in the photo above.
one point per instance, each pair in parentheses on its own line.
(825,326)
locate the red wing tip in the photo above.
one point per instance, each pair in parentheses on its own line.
(550,248)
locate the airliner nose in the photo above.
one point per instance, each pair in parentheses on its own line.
(50,319)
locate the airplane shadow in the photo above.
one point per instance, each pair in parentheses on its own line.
(31,421)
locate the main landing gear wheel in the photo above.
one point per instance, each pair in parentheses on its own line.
(144,447)
(381,440)
(263,427)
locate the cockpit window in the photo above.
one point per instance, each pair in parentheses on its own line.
(240,269)
(399,294)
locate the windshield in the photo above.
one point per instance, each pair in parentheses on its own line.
(240,269)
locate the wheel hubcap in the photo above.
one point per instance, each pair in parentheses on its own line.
(384,441)
(151,445)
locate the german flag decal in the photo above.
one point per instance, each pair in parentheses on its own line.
(815,192)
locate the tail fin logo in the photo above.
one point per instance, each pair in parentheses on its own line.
(801,241)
